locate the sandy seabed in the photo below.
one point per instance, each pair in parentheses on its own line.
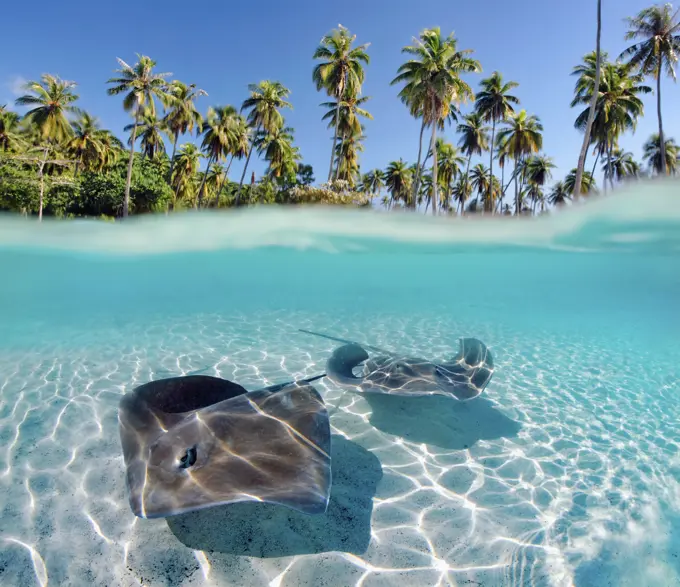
(565,472)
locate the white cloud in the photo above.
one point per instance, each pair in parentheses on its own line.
(16,85)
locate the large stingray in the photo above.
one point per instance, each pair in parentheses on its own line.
(463,377)
(198,441)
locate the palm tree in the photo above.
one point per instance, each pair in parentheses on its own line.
(10,135)
(218,139)
(621,165)
(462,190)
(654,155)
(398,180)
(450,163)
(617,105)
(184,171)
(480,180)
(494,104)
(347,156)
(141,86)
(150,132)
(373,182)
(474,137)
(92,146)
(340,72)
(659,29)
(560,194)
(521,137)
(587,182)
(593,100)
(433,82)
(182,116)
(539,169)
(349,123)
(265,101)
(277,148)
(52,99)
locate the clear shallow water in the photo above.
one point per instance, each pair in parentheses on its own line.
(565,472)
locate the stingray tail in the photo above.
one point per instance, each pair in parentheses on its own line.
(344,341)
(280,386)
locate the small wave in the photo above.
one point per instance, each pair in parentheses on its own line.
(646,213)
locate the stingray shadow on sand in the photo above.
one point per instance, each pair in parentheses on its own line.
(266,530)
(440,421)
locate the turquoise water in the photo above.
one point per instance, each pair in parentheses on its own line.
(564,472)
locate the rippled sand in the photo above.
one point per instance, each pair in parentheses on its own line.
(565,472)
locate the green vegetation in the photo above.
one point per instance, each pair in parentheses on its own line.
(57,160)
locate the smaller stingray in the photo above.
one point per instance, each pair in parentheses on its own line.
(463,377)
(198,441)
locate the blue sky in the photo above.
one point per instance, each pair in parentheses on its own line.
(222,48)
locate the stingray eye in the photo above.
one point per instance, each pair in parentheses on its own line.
(188,459)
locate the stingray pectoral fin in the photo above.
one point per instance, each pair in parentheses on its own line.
(261,446)
(342,361)
(469,372)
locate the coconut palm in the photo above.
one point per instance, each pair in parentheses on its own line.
(654,155)
(266,99)
(182,116)
(340,72)
(587,182)
(150,131)
(450,163)
(462,190)
(10,131)
(621,165)
(521,137)
(559,194)
(218,139)
(277,149)
(659,29)
(52,99)
(184,172)
(539,169)
(373,182)
(480,180)
(347,156)
(398,181)
(617,105)
(92,146)
(494,104)
(141,87)
(432,81)
(350,111)
(474,137)
(591,112)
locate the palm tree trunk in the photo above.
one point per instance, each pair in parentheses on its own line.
(516,188)
(128,181)
(205,178)
(611,170)
(416,184)
(337,167)
(662,142)
(245,168)
(42,185)
(597,158)
(335,136)
(435,203)
(493,136)
(499,204)
(172,159)
(226,179)
(591,113)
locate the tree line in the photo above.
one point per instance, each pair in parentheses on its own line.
(56,158)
